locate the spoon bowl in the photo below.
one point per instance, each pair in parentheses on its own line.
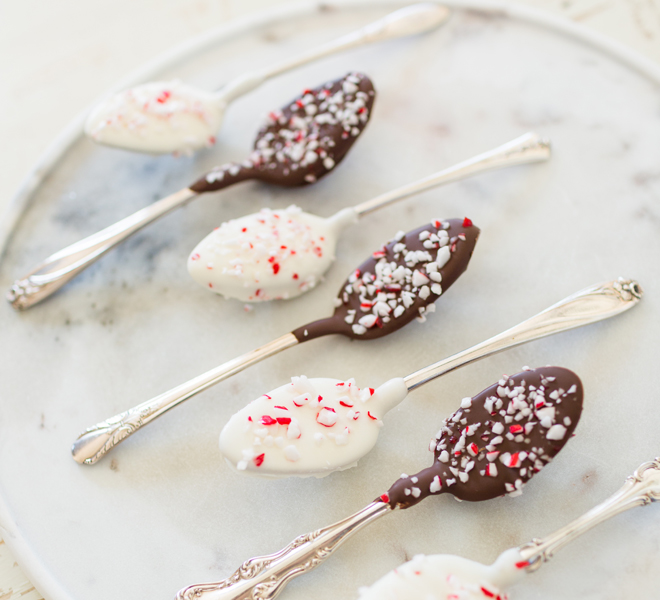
(163,117)
(98,440)
(518,458)
(446,576)
(294,148)
(313,427)
(281,254)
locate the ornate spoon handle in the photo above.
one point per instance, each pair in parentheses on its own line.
(582,308)
(94,443)
(59,268)
(641,488)
(264,577)
(527,148)
(410,20)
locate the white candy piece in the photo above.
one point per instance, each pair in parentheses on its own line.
(447,577)
(158,117)
(322,435)
(269,255)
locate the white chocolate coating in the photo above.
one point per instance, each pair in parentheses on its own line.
(309,427)
(158,117)
(269,255)
(447,577)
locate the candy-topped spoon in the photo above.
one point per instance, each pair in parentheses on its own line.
(162,117)
(397,284)
(313,427)
(476,457)
(280,254)
(301,143)
(447,577)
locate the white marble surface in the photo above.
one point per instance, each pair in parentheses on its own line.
(594,208)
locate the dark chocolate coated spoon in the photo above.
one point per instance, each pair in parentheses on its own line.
(516,425)
(399,283)
(301,143)
(499,439)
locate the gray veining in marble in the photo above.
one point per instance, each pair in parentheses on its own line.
(164,511)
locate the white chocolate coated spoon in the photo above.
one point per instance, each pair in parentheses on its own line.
(475,477)
(410,302)
(313,427)
(300,143)
(448,577)
(280,254)
(163,117)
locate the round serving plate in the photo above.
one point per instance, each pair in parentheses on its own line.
(163,510)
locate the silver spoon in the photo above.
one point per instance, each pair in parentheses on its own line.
(410,302)
(59,268)
(294,148)
(165,117)
(471,436)
(275,255)
(447,574)
(325,425)
(587,306)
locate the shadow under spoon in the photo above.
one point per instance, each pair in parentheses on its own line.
(297,146)
(313,427)
(473,460)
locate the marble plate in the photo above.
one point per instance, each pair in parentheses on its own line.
(164,511)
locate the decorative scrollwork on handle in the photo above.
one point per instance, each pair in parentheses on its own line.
(646,478)
(253,567)
(264,577)
(16,293)
(628,289)
(641,488)
(96,441)
(21,292)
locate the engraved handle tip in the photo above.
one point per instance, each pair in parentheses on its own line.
(640,489)
(89,446)
(95,442)
(529,147)
(16,295)
(24,293)
(628,289)
(646,478)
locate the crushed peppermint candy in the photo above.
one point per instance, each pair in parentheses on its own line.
(269,255)
(304,140)
(498,440)
(403,279)
(306,427)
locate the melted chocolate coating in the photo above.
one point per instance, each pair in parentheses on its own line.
(305,140)
(546,402)
(393,298)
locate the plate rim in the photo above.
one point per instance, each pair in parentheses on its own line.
(30,562)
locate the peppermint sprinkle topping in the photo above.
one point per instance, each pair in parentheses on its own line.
(498,440)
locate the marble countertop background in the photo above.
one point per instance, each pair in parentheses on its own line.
(56,58)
